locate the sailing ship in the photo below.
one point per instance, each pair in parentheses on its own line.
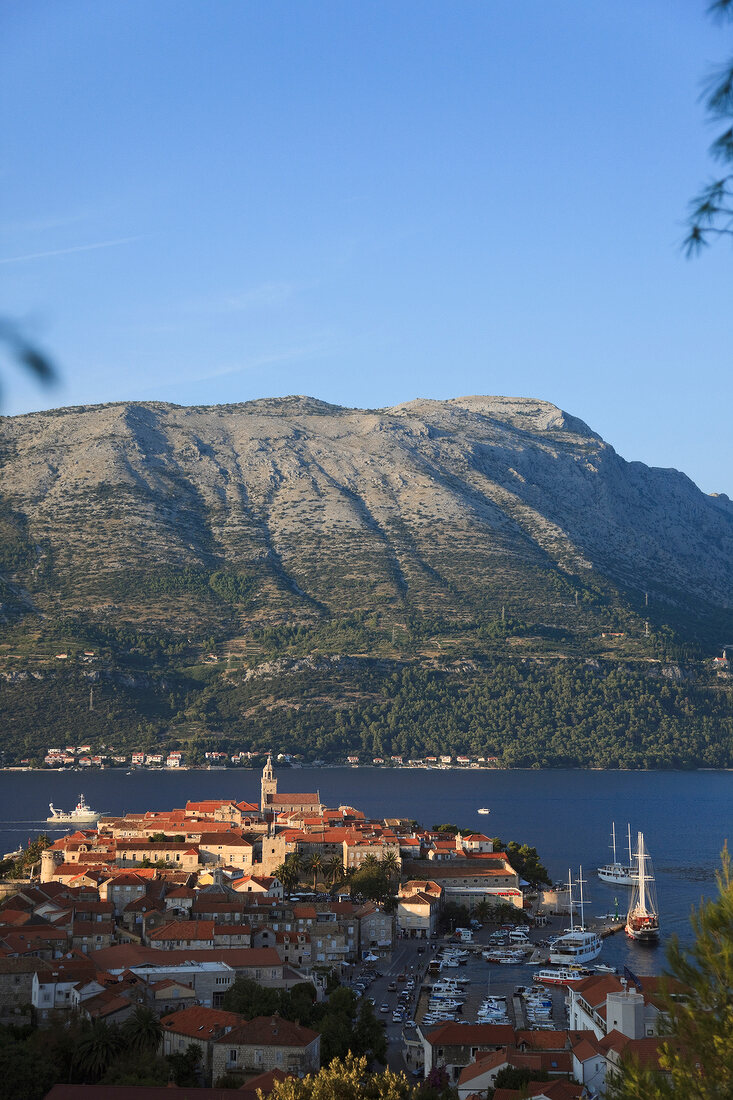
(578,946)
(619,874)
(642,921)
(81,814)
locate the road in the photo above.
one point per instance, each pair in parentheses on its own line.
(405,959)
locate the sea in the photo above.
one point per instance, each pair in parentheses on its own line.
(686,818)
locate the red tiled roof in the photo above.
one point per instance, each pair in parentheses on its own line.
(546,1040)
(201,1023)
(185,930)
(270,1031)
(463,1035)
(265,1082)
(139,1092)
(484,1062)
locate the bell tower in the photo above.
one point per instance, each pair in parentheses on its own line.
(268,786)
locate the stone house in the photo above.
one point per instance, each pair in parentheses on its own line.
(198,1026)
(16,989)
(266,1043)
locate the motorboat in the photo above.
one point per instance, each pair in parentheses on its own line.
(563,975)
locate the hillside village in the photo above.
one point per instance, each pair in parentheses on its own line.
(170,911)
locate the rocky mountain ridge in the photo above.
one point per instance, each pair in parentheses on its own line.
(444,507)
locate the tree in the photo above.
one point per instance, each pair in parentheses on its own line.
(142,1031)
(98,1046)
(288,876)
(526,863)
(346,1079)
(711,211)
(315,865)
(482,911)
(335,868)
(185,1066)
(696,1045)
(391,865)
(250,999)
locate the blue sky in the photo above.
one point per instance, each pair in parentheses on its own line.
(368,202)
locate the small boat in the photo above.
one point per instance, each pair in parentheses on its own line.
(563,975)
(602,968)
(618,874)
(642,920)
(81,814)
(484,810)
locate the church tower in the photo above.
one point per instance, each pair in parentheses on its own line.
(269,785)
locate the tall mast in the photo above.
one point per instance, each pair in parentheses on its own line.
(570,898)
(642,875)
(631,857)
(581,880)
(613,839)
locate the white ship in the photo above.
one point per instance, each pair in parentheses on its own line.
(642,921)
(484,810)
(578,946)
(81,814)
(619,874)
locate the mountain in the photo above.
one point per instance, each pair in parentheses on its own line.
(167,539)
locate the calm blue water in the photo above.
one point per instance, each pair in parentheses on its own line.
(685,817)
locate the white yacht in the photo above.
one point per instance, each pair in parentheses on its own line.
(619,874)
(578,946)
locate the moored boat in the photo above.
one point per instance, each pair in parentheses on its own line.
(578,946)
(617,873)
(642,920)
(562,975)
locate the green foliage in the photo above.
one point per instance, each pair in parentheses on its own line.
(250,999)
(348,1078)
(526,863)
(518,1078)
(697,1037)
(344,1023)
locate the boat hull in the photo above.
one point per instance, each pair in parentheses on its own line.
(647,934)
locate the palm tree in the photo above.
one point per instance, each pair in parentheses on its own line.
(335,868)
(142,1031)
(295,860)
(288,876)
(482,911)
(391,865)
(370,860)
(96,1049)
(315,864)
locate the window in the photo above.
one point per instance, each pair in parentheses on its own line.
(232,1055)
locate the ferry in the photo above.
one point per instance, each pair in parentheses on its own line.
(81,814)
